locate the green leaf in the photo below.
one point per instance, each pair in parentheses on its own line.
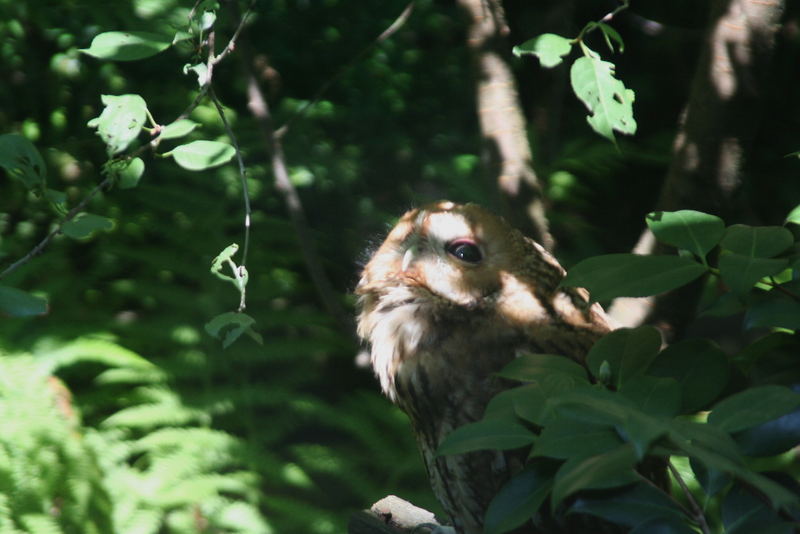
(565,438)
(610,103)
(126,46)
(753,406)
(776,310)
(519,499)
(663,525)
(178,129)
(199,155)
(745,513)
(120,122)
(711,480)
(629,506)
(130,173)
(608,470)
(499,434)
(229,326)
(85,224)
(529,367)
(631,275)
(22,161)
(548,47)
(771,438)
(794,215)
(708,436)
(628,351)
(757,241)
(741,272)
(691,230)
(659,397)
(18,303)
(610,34)
(530,400)
(700,368)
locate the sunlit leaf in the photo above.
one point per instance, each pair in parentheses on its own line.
(548,47)
(126,46)
(199,155)
(694,231)
(120,122)
(130,173)
(610,103)
(178,129)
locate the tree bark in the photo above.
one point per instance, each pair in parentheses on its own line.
(502,122)
(714,135)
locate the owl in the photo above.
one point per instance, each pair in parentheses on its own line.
(451,296)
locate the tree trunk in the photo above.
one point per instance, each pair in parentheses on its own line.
(502,121)
(715,132)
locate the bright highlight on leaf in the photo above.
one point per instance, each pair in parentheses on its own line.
(200,155)
(610,103)
(120,122)
(126,46)
(549,48)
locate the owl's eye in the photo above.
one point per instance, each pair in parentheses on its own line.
(464,250)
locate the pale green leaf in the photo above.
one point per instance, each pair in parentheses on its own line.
(126,46)
(200,155)
(548,47)
(120,122)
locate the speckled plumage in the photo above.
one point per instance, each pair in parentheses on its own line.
(438,327)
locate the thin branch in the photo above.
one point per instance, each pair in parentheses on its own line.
(57,230)
(697,512)
(242,173)
(388,32)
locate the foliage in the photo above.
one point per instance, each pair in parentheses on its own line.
(641,405)
(306,436)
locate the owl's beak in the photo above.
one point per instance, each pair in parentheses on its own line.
(408,257)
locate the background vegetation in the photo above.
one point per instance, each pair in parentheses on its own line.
(120,413)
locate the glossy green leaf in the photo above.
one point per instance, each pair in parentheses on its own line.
(691,230)
(757,241)
(631,275)
(530,400)
(753,406)
(743,512)
(22,161)
(609,102)
(565,438)
(700,368)
(126,46)
(628,351)
(497,434)
(711,480)
(178,129)
(741,272)
(775,310)
(85,225)
(659,397)
(17,303)
(529,367)
(519,500)
(229,326)
(705,435)
(608,470)
(120,122)
(548,47)
(130,174)
(200,155)
(629,506)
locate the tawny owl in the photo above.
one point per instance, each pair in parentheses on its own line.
(451,296)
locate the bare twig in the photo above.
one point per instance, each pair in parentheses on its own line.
(388,32)
(697,512)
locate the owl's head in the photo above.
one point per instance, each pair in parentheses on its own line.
(456,252)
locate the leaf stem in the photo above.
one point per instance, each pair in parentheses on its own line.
(697,512)
(590,27)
